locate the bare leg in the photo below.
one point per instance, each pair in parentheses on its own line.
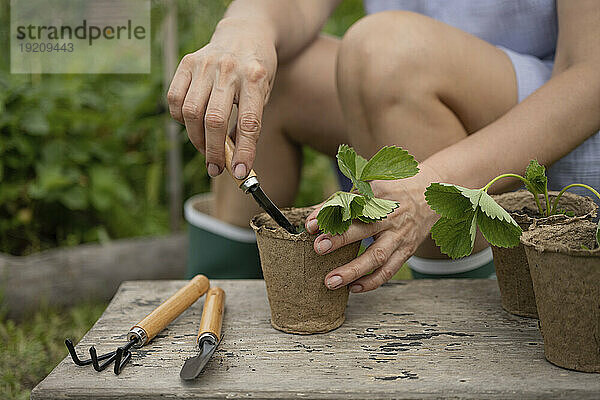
(303,109)
(409,80)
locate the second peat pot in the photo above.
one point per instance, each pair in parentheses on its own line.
(511,265)
(564,260)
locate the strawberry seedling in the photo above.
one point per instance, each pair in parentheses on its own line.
(338,212)
(464,210)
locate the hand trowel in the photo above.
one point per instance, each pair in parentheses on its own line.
(209,334)
(251,185)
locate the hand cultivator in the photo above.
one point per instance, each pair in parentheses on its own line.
(145,330)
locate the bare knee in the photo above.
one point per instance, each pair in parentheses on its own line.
(388,57)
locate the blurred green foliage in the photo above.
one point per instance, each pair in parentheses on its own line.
(78,158)
(29,350)
(82,157)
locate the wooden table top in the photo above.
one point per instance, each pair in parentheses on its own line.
(408,339)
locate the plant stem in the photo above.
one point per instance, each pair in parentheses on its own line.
(525,181)
(539,206)
(591,189)
(486,187)
(547,202)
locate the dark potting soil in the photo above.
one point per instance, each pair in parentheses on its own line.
(535,213)
(523,208)
(297,216)
(573,236)
(529,212)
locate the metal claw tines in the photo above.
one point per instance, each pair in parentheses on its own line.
(120,356)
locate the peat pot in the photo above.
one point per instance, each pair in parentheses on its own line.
(511,265)
(294,275)
(565,269)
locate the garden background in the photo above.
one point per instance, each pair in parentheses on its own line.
(83,159)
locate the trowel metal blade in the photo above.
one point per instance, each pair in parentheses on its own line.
(193,366)
(263,200)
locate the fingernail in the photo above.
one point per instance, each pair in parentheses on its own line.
(356,288)
(213,170)
(312,226)
(324,245)
(334,282)
(240,171)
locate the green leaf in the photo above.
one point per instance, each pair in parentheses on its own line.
(478,209)
(337,212)
(330,220)
(377,209)
(497,232)
(497,226)
(493,209)
(455,236)
(480,199)
(350,161)
(350,203)
(357,206)
(351,165)
(536,175)
(474,195)
(390,162)
(364,188)
(447,200)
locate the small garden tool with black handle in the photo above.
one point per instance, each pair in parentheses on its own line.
(251,185)
(145,330)
(209,334)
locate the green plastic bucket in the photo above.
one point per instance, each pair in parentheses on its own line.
(217,249)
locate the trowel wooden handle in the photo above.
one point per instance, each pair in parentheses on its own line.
(164,314)
(229,148)
(212,315)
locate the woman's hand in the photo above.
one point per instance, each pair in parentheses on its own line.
(396,237)
(237,67)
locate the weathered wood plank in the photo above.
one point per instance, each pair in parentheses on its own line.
(419,339)
(65,276)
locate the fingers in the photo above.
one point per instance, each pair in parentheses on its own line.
(382,274)
(202,93)
(179,87)
(376,256)
(327,243)
(217,115)
(193,108)
(311,224)
(251,103)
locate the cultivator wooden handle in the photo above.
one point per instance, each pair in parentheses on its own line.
(157,320)
(229,149)
(212,314)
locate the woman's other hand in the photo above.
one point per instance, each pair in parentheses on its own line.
(396,237)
